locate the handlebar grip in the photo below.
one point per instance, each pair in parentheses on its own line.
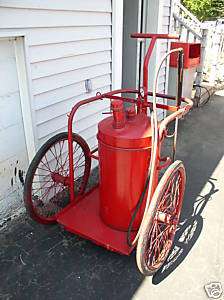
(155,35)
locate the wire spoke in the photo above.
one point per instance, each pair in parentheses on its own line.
(161,233)
(49,194)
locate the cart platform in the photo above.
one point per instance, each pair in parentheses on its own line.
(83,219)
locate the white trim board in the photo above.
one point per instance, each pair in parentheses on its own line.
(25,97)
(117,43)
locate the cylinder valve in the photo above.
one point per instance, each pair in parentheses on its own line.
(117,108)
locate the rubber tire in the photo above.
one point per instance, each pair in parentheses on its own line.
(147,223)
(34,164)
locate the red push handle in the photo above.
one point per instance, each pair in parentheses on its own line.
(155,36)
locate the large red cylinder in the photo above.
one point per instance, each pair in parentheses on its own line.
(124,156)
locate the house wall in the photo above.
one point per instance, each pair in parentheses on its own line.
(131,16)
(13,153)
(166,27)
(156,19)
(67,42)
(58,45)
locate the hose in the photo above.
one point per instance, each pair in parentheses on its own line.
(152,166)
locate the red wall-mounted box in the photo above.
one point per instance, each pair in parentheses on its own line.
(192,54)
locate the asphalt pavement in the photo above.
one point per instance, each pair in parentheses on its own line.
(46,262)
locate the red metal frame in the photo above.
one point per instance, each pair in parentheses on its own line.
(142,103)
(178,112)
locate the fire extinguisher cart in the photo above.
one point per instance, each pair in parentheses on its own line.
(130,207)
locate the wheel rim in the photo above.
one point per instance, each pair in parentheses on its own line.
(164,223)
(50,182)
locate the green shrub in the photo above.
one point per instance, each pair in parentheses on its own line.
(205,9)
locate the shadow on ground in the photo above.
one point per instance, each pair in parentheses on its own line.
(201,147)
(42,262)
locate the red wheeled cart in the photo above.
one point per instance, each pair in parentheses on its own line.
(130,206)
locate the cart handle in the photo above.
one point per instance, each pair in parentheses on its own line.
(137,35)
(71,115)
(154,37)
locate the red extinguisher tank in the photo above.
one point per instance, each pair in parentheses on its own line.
(124,155)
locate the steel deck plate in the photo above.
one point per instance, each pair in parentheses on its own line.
(84,220)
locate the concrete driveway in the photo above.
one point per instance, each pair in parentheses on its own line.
(42,262)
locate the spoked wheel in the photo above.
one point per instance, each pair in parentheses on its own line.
(161,222)
(46,189)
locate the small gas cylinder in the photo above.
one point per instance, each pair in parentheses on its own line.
(124,141)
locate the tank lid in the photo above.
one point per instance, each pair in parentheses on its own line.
(136,134)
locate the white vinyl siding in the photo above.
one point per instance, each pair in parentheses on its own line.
(67,42)
(65,5)
(164,27)
(158,14)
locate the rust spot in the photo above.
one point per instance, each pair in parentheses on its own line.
(15,171)
(21,173)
